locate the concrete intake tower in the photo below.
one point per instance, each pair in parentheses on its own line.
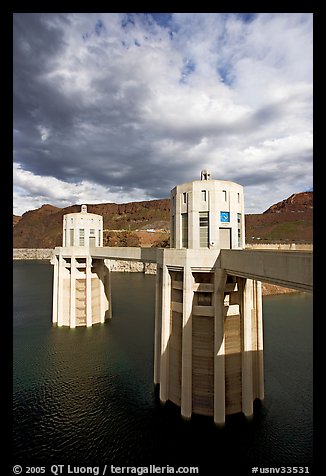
(81,283)
(208,324)
(208,343)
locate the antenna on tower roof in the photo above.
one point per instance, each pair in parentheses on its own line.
(205,175)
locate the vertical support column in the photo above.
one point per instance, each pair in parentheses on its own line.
(107,289)
(60,290)
(73,292)
(186,358)
(166,329)
(158,325)
(101,275)
(260,341)
(55,290)
(219,350)
(88,291)
(247,377)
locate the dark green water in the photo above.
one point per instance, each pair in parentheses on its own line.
(86,396)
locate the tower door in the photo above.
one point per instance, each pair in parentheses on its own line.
(225,238)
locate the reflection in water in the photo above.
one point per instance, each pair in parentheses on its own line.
(86,395)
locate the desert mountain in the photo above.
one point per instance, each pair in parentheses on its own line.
(298,202)
(16,219)
(42,228)
(126,224)
(288,220)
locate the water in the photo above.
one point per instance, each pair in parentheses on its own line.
(86,396)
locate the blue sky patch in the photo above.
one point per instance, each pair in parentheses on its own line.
(128,20)
(189,67)
(99,27)
(225,73)
(162,19)
(247,17)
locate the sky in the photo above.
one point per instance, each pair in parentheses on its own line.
(112,107)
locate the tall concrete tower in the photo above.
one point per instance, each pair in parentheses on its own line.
(82,229)
(207,214)
(208,323)
(81,283)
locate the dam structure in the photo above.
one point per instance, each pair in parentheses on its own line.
(208,342)
(81,283)
(208,327)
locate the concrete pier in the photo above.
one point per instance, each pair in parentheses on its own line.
(81,289)
(210,323)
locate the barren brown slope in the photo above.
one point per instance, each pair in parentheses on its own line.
(42,228)
(15,219)
(298,202)
(288,220)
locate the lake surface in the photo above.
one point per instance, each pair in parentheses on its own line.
(86,395)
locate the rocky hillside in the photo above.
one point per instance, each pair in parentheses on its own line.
(296,203)
(47,220)
(288,220)
(125,224)
(15,219)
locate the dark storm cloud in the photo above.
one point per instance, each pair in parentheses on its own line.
(98,99)
(90,141)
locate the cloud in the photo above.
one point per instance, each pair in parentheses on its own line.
(36,190)
(115,105)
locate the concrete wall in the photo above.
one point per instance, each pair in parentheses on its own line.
(292,269)
(280,246)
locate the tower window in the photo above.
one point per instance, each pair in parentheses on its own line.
(203,229)
(204,195)
(204,299)
(184,234)
(172,232)
(71,232)
(224,195)
(81,237)
(239,230)
(184,197)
